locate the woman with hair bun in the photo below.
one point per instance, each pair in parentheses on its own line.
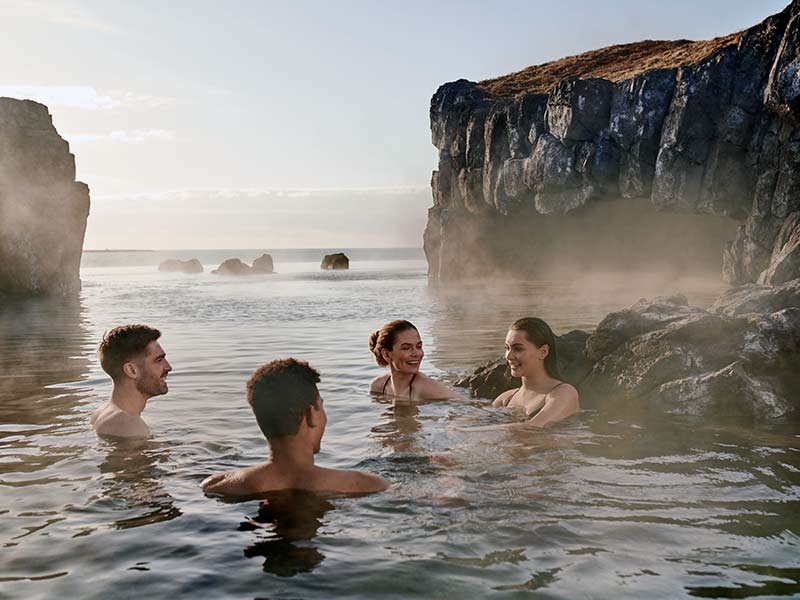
(531,355)
(397,345)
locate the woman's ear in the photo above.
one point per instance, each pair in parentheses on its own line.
(385,355)
(544,351)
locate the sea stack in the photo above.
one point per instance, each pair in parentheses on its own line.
(658,155)
(43,210)
(263,264)
(335,261)
(173,265)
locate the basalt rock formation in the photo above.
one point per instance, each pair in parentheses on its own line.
(43,210)
(674,155)
(739,358)
(263,264)
(335,261)
(174,265)
(233,266)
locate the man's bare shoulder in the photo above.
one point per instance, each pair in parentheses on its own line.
(109,421)
(239,482)
(350,482)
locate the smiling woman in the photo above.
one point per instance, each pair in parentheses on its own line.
(531,355)
(397,345)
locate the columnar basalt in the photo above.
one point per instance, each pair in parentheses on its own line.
(43,210)
(709,131)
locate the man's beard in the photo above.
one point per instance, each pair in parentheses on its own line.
(151,386)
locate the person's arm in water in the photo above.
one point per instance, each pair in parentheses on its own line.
(559,405)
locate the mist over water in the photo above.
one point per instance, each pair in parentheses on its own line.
(606,505)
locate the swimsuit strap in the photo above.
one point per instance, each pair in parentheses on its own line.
(545,398)
(410,383)
(554,387)
(511,397)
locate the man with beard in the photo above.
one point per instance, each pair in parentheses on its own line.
(138,366)
(288,408)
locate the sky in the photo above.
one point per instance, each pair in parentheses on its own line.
(258,124)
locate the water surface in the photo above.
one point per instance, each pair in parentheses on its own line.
(607,505)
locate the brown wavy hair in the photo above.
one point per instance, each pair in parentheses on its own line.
(539,334)
(385,338)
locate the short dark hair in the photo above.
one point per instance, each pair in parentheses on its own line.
(280,393)
(122,343)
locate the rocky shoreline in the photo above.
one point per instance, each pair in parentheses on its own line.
(739,358)
(706,130)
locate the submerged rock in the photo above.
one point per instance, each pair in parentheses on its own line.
(335,261)
(232,266)
(43,210)
(173,265)
(741,358)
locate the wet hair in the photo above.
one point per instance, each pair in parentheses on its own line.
(539,334)
(280,393)
(385,338)
(123,343)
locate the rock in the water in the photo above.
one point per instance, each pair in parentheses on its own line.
(174,265)
(43,210)
(263,264)
(232,266)
(755,298)
(335,261)
(741,358)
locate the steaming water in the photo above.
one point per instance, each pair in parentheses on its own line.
(607,505)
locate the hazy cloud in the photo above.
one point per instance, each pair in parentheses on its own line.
(59,13)
(83,96)
(138,135)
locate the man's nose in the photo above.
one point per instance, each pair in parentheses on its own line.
(169,366)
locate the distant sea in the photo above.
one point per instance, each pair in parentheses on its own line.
(608,505)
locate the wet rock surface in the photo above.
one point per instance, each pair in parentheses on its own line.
(174,265)
(232,266)
(263,264)
(719,136)
(335,261)
(740,358)
(43,210)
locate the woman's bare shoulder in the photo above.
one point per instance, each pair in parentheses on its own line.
(376,386)
(565,393)
(504,398)
(432,389)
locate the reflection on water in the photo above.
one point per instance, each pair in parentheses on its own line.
(288,518)
(131,483)
(614,503)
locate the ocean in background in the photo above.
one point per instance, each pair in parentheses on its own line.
(627,505)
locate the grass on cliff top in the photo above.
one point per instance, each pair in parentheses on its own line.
(615,63)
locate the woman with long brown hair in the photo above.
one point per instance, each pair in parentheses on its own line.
(531,355)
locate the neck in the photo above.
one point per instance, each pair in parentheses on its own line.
(291,453)
(128,398)
(401,379)
(538,382)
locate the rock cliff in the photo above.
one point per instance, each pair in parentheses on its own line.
(43,210)
(681,155)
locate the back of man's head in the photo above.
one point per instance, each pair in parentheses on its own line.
(280,393)
(122,344)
